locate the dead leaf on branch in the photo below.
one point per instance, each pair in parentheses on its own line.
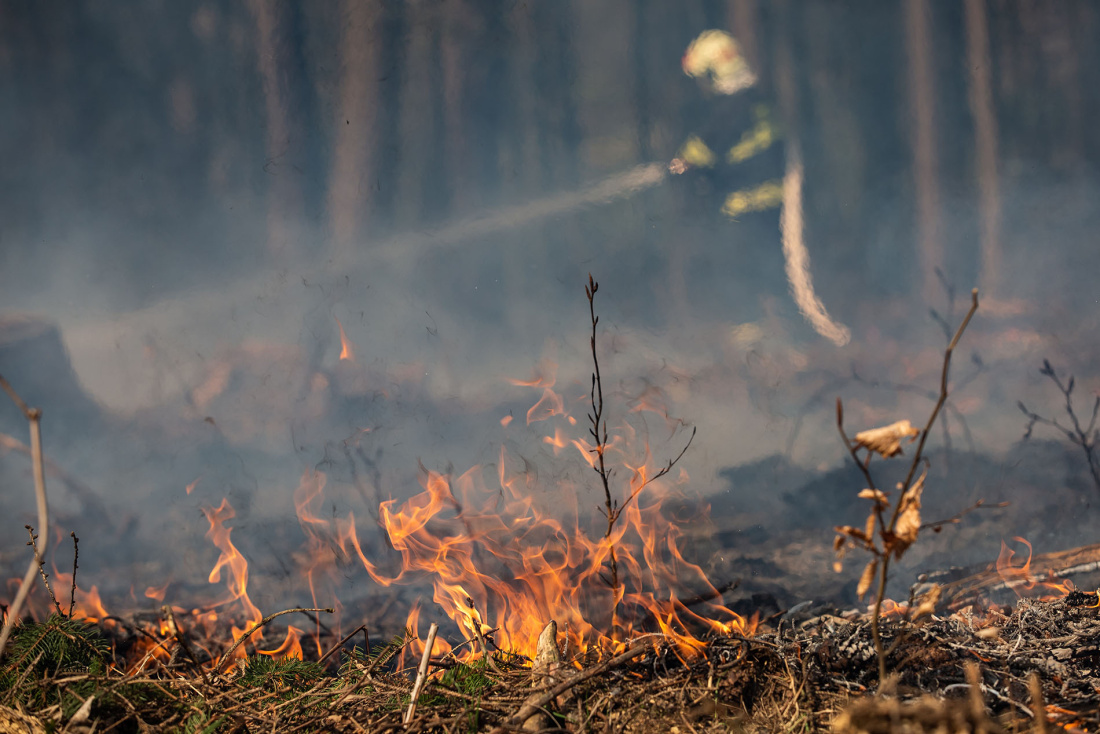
(886,440)
(866,578)
(874,494)
(908,524)
(850,531)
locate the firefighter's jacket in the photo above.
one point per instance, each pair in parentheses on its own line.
(734,155)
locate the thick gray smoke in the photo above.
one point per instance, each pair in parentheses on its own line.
(193,194)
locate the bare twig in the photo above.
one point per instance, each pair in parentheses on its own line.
(41,568)
(664,470)
(937,526)
(421,674)
(361,628)
(598,430)
(34,418)
(1085,437)
(76,557)
(240,640)
(612,509)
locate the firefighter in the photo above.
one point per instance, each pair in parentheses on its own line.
(731,153)
(734,162)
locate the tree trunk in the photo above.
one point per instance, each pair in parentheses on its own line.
(985,139)
(922,107)
(350,180)
(284,199)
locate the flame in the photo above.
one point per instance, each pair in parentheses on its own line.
(345,344)
(500,563)
(237,570)
(191,487)
(545,376)
(291,647)
(503,553)
(548,406)
(157,592)
(1019,578)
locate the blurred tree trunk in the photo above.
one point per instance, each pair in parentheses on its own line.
(351,179)
(837,138)
(523,155)
(985,133)
(390,133)
(457,21)
(284,197)
(419,107)
(742,20)
(922,140)
(556,77)
(642,92)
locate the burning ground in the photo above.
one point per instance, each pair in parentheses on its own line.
(548,614)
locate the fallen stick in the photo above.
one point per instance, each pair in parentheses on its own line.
(421,674)
(538,700)
(985,579)
(34,418)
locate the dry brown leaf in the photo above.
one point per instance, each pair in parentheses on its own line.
(869,529)
(854,533)
(886,440)
(908,524)
(866,578)
(874,494)
(926,603)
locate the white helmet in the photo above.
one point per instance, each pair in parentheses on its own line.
(715,55)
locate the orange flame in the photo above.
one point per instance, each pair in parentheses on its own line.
(1020,578)
(345,344)
(157,592)
(291,647)
(498,561)
(237,570)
